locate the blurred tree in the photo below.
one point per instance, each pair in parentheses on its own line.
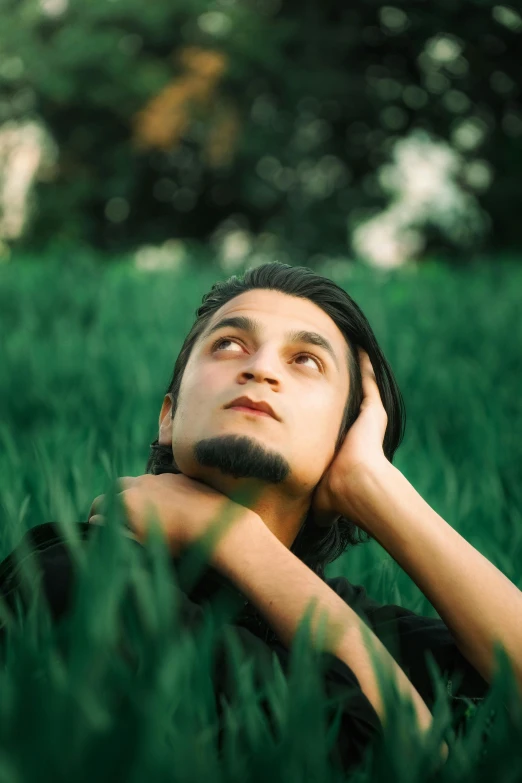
(185,119)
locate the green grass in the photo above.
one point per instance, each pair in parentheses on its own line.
(86,352)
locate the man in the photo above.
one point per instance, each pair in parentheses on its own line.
(283,412)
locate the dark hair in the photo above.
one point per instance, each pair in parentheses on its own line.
(316,546)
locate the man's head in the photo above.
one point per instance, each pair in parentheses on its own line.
(287,337)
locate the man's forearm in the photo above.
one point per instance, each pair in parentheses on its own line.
(281,586)
(478,603)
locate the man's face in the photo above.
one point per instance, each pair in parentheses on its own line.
(305,385)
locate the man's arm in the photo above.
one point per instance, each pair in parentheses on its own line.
(281,586)
(476,601)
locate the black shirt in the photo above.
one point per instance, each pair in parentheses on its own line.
(406,635)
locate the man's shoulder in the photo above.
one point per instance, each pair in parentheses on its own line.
(357,597)
(48,533)
(409,637)
(54,545)
(391,621)
(354,595)
(39,539)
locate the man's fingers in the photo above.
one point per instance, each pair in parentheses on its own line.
(369,382)
(122,483)
(97,519)
(95,506)
(126,482)
(366,364)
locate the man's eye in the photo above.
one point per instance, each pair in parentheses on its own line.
(222,340)
(309,356)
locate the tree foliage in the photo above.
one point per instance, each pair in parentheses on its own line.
(175,119)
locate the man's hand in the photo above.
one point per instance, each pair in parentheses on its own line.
(186,508)
(360,455)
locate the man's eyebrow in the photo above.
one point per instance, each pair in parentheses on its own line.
(250,325)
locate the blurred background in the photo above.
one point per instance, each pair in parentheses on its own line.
(261,128)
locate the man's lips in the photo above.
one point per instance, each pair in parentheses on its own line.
(245,402)
(253,411)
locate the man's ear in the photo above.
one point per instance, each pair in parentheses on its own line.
(165,422)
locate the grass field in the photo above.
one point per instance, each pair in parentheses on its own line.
(86,352)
